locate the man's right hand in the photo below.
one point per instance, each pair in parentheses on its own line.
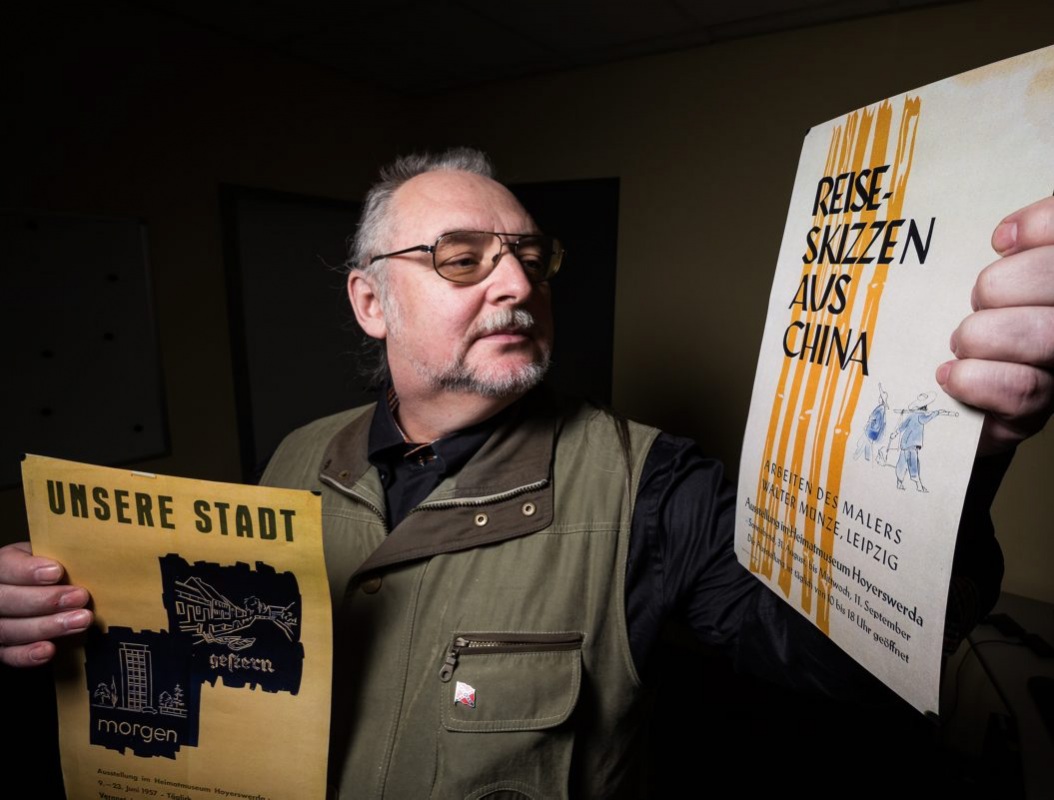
(34,609)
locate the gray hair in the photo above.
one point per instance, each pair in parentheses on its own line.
(375,225)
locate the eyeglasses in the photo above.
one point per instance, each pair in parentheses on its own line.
(468,257)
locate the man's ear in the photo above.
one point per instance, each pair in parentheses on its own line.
(366,304)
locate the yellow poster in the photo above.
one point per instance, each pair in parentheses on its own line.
(207,673)
(855,463)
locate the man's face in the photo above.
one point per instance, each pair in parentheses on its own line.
(492,338)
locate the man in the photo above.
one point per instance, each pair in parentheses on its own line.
(501,560)
(910,434)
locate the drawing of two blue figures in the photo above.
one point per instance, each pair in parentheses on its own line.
(906,438)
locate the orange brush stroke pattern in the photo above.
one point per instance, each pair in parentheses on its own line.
(812,397)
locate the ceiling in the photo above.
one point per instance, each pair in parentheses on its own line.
(425,46)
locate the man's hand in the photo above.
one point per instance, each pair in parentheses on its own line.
(33,608)
(1005,349)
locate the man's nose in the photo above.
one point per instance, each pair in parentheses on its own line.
(508,281)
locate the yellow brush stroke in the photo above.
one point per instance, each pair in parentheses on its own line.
(854,162)
(837,447)
(760,557)
(839,157)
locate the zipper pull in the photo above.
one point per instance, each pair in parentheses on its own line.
(446,672)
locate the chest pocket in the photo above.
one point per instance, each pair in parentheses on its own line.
(505,705)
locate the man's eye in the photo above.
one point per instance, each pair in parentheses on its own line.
(465,262)
(531,256)
(531,263)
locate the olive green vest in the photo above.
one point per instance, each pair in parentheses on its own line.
(481,646)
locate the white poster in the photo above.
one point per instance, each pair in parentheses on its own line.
(855,463)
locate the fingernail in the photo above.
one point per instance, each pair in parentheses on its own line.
(953,342)
(72,599)
(48,574)
(973,298)
(942,373)
(1005,237)
(40,653)
(76,620)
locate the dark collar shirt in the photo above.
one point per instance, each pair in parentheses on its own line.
(409,471)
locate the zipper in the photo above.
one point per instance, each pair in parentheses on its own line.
(460,502)
(477,643)
(469,502)
(358,497)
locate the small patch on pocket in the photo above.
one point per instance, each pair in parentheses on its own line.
(464,695)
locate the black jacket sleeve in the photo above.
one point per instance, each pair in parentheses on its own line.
(682,565)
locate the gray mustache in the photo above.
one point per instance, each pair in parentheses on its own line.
(514,320)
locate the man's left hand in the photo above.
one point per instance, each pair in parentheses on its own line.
(1005,349)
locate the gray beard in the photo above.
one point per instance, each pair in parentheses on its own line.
(458,377)
(526,378)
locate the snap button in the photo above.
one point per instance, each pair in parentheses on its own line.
(372,586)
(482,519)
(343,474)
(528,509)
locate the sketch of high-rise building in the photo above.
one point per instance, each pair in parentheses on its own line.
(137,678)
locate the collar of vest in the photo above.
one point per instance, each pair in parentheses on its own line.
(504,491)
